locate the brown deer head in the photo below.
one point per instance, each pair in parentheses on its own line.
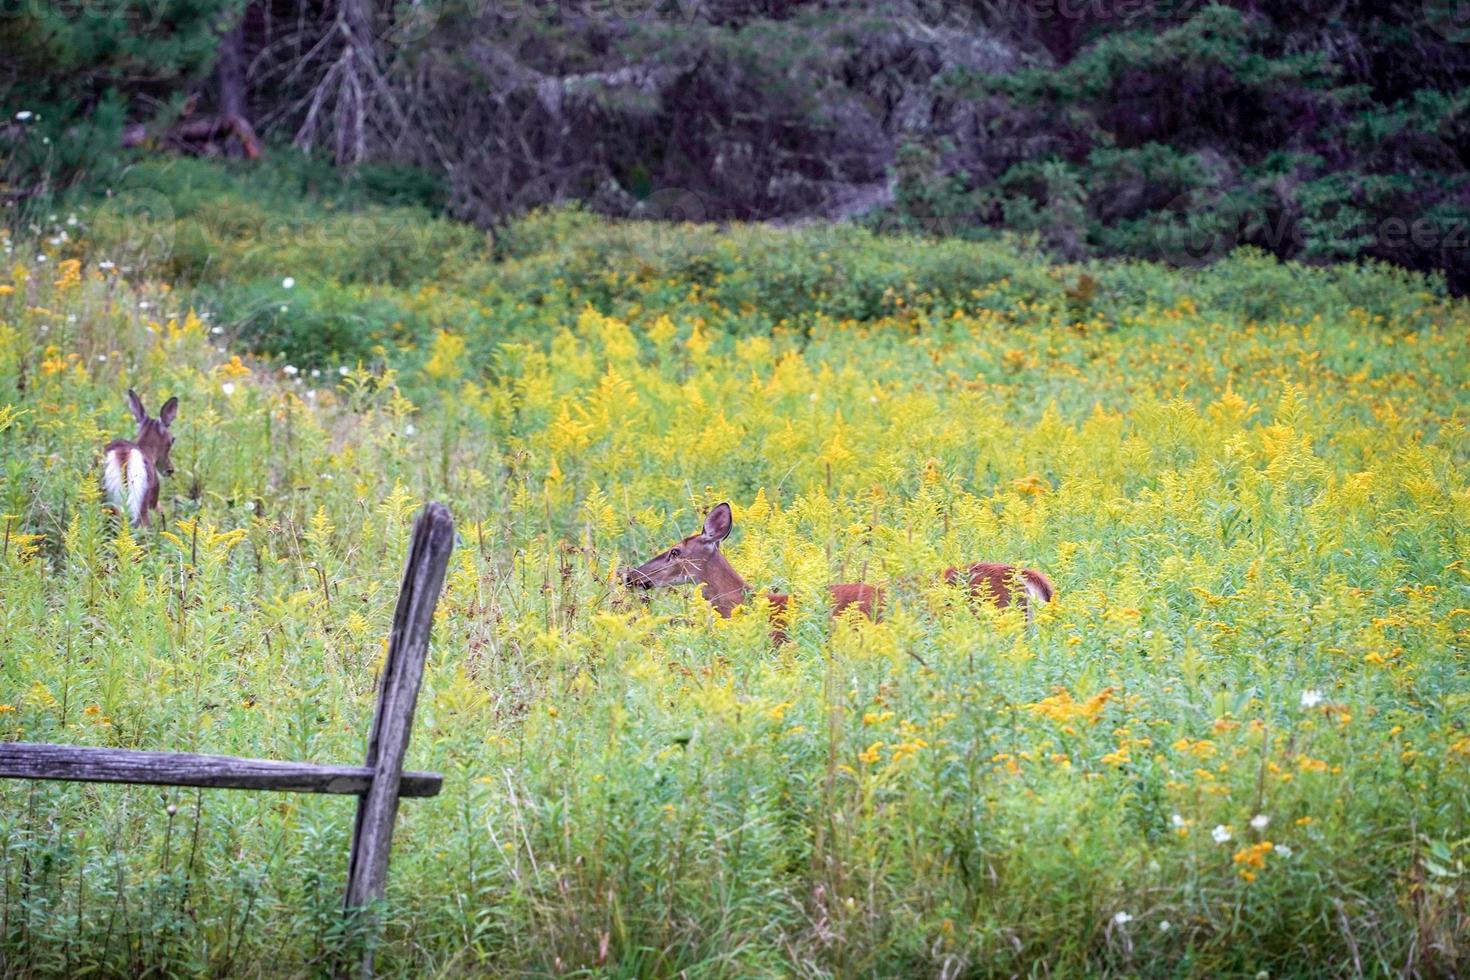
(154,438)
(688,561)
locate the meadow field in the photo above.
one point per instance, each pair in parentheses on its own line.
(1237,744)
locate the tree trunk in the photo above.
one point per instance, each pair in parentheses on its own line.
(230,71)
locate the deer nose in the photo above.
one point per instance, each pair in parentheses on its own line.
(635,579)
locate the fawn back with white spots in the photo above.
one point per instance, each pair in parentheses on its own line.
(130,470)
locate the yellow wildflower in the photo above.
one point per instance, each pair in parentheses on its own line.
(70,274)
(1061,707)
(231,369)
(1252,859)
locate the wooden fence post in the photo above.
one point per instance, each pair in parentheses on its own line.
(408,647)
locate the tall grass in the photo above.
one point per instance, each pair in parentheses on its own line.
(1235,743)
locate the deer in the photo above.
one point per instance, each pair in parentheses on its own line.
(698,559)
(130,470)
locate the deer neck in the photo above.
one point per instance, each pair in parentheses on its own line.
(723,586)
(146,445)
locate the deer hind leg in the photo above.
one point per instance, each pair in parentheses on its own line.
(150,502)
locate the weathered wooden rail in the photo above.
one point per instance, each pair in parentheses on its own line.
(378,784)
(88,764)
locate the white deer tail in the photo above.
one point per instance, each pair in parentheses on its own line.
(125,478)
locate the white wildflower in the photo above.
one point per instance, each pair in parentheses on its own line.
(1311,698)
(288,283)
(1259,821)
(1221,833)
(1165,926)
(24,115)
(1122,919)
(228,388)
(1282,850)
(291,369)
(1177,821)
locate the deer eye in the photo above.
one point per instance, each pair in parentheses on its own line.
(673,552)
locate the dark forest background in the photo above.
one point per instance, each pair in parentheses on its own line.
(1174,130)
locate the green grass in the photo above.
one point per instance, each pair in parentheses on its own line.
(1248,483)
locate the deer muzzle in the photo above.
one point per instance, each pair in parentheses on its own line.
(635,578)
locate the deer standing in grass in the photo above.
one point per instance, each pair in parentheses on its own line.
(130,470)
(697,558)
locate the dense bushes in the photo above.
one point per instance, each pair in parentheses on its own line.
(373,282)
(1180,141)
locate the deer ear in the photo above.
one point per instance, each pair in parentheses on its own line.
(717,524)
(169,412)
(140,414)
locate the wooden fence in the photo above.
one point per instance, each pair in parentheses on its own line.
(378,783)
